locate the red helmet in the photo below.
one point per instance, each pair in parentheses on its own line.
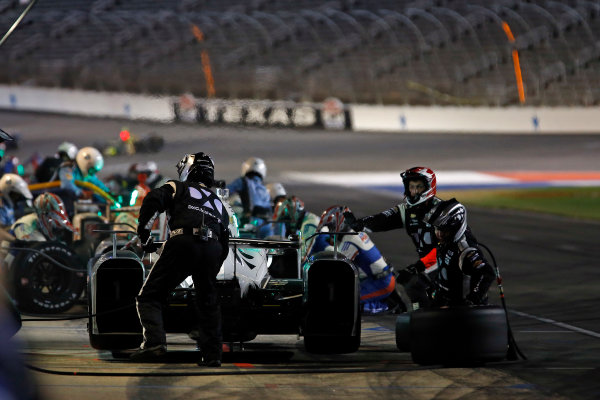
(333,218)
(424,175)
(51,214)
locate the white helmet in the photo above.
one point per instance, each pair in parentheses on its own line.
(149,168)
(276,190)
(256,165)
(67,149)
(89,160)
(13,183)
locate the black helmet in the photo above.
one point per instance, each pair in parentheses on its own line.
(449,216)
(197,167)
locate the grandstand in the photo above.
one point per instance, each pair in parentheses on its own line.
(417,52)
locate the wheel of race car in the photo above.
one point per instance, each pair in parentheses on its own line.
(115,342)
(403,332)
(458,335)
(333,344)
(41,286)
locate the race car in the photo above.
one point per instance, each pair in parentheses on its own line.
(49,276)
(318,300)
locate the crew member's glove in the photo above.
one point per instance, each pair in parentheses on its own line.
(356,224)
(146,240)
(406,274)
(143,234)
(149,246)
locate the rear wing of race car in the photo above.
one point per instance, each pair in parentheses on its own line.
(251,259)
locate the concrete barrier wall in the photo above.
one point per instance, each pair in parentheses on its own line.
(356,117)
(476,120)
(78,102)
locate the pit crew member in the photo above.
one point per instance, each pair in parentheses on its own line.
(419,198)
(49,221)
(295,220)
(458,255)
(13,189)
(254,196)
(198,245)
(66,152)
(277,193)
(88,162)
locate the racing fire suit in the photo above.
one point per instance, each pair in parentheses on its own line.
(27,228)
(411,218)
(68,173)
(377,281)
(306,227)
(198,245)
(7,214)
(457,260)
(422,235)
(256,202)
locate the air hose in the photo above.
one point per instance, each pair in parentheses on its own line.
(513,350)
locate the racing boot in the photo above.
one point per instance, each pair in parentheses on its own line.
(211,357)
(148,353)
(208,361)
(208,357)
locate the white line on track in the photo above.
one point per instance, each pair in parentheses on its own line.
(547,332)
(578,368)
(370,178)
(561,324)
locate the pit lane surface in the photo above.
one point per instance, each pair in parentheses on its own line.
(548,263)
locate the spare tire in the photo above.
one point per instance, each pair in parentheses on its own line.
(403,332)
(458,335)
(40,285)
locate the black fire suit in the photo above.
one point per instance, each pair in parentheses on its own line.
(411,218)
(455,261)
(422,235)
(188,205)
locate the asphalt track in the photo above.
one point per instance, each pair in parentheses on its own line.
(549,265)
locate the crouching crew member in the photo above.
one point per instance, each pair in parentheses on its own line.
(198,245)
(458,256)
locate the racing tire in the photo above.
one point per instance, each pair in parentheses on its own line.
(333,344)
(403,332)
(465,335)
(42,287)
(115,341)
(112,341)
